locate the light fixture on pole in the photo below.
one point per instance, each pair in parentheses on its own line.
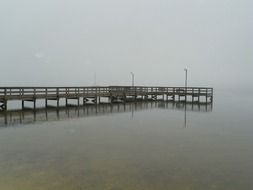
(132,74)
(186,77)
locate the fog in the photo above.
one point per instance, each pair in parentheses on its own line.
(59,42)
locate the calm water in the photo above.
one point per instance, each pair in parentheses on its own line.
(140,146)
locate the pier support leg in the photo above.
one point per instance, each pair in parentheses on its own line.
(23,104)
(5,105)
(78,101)
(66,102)
(34,104)
(46,103)
(58,102)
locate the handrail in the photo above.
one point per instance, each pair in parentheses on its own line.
(98,90)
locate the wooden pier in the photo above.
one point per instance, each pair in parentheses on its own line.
(84,95)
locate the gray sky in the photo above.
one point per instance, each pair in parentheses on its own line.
(64,42)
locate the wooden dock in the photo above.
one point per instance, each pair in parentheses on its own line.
(95,94)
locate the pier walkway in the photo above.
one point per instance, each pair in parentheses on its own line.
(95,94)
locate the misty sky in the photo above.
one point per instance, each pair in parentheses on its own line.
(64,42)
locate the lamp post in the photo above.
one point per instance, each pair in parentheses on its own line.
(132,74)
(186,77)
(186,72)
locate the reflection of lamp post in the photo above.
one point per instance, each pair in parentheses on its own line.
(132,74)
(185,119)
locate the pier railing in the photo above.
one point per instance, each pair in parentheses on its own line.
(23,93)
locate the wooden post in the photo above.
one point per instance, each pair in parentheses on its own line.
(34,104)
(199,96)
(22,93)
(57,97)
(167,94)
(185,94)
(5,105)
(206,95)
(5,93)
(173,94)
(66,97)
(212,95)
(58,102)
(46,98)
(156,90)
(34,98)
(4,101)
(34,92)
(23,104)
(192,94)
(110,98)
(135,93)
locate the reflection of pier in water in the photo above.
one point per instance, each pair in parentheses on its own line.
(189,106)
(16,117)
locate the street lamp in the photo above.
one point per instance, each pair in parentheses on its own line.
(185,77)
(185,85)
(132,74)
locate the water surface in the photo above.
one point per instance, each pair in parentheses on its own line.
(132,147)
